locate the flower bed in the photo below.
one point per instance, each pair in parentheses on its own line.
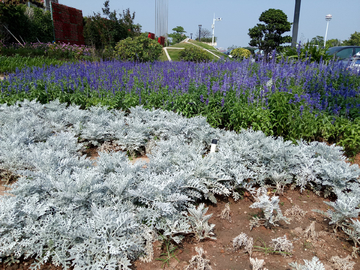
(67,210)
(289,99)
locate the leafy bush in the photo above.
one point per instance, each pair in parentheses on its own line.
(27,24)
(194,54)
(106,32)
(140,48)
(67,51)
(240,53)
(307,52)
(206,39)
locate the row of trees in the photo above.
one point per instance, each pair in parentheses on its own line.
(106,32)
(354,40)
(268,35)
(18,22)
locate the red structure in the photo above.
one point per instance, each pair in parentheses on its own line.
(151,35)
(161,40)
(68,24)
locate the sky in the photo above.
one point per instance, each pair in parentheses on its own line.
(237,16)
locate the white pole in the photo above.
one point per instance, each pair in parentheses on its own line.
(213,28)
(327,18)
(213,34)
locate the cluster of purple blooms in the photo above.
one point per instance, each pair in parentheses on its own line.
(323,86)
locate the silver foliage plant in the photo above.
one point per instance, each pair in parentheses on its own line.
(270,207)
(314,264)
(67,211)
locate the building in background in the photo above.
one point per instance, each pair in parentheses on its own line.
(161,18)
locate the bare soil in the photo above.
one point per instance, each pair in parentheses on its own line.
(326,244)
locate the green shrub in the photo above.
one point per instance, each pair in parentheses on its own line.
(240,53)
(309,51)
(194,54)
(29,24)
(104,32)
(140,48)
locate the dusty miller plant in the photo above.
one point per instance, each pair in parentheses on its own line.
(282,244)
(314,264)
(69,212)
(242,240)
(200,222)
(270,207)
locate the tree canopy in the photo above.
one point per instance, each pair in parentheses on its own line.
(27,24)
(268,36)
(178,34)
(354,40)
(318,40)
(106,32)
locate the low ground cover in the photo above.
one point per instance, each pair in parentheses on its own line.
(175,50)
(68,210)
(9,64)
(59,51)
(207,47)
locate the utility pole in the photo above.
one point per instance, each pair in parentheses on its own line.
(296,23)
(200,32)
(213,28)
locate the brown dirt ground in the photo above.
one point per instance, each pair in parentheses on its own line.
(220,252)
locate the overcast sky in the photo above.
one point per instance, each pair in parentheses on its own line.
(238,16)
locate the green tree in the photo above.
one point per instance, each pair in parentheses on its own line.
(106,32)
(333,42)
(178,34)
(354,40)
(206,35)
(38,3)
(269,35)
(25,23)
(318,40)
(139,48)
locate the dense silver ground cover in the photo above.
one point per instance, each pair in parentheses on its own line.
(71,212)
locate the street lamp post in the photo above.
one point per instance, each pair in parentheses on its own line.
(200,32)
(296,23)
(213,28)
(328,19)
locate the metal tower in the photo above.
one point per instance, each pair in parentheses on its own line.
(161,18)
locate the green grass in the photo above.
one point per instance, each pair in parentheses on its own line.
(9,64)
(163,57)
(208,47)
(174,53)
